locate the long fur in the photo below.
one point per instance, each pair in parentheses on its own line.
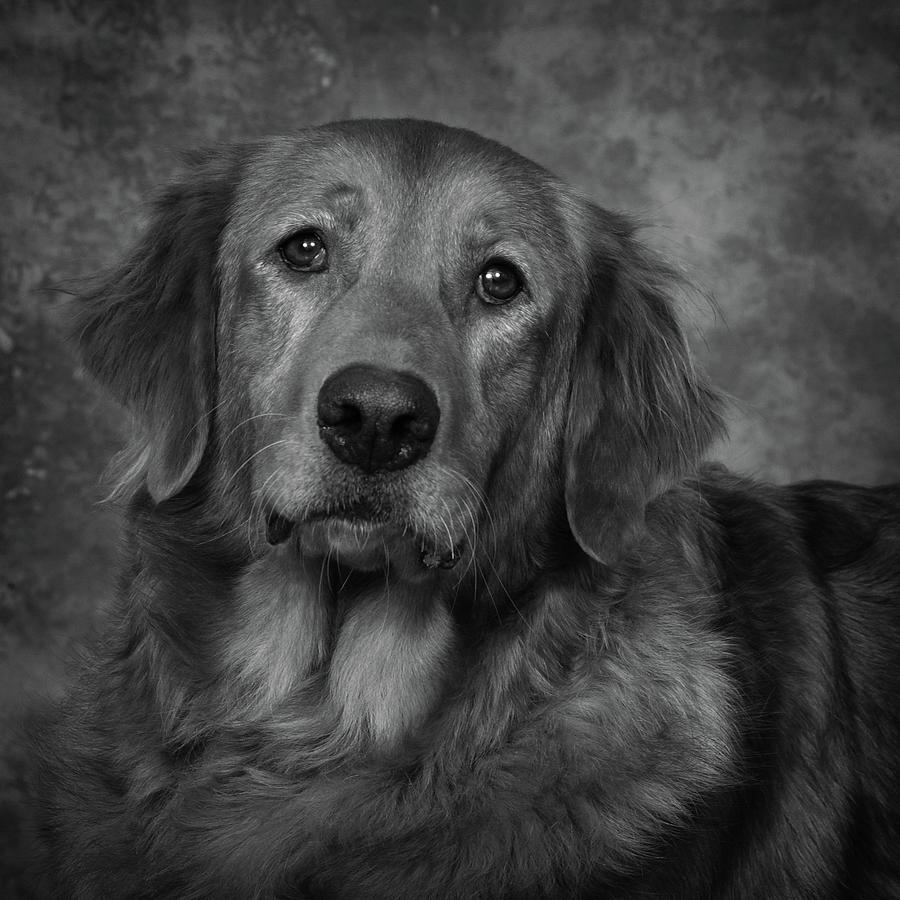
(556,657)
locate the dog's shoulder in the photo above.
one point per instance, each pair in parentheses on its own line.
(827,525)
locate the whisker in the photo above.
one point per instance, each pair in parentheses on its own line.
(253,456)
(443,521)
(325,574)
(509,597)
(207,415)
(248,419)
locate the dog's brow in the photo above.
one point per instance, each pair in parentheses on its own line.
(344,198)
(490,228)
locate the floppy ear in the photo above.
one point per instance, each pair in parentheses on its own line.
(148,332)
(639,415)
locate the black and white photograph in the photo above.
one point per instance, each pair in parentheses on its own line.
(449,450)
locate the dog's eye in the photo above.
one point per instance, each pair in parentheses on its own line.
(498,282)
(305,251)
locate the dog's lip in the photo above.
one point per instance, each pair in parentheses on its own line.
(359,516)
(278,528)
(361,521)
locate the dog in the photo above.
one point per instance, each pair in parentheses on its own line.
(426,591)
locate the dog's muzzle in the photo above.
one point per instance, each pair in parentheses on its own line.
(377,421)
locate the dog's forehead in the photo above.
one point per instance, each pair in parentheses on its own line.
(403,166)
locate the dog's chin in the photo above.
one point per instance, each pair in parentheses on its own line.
(357,544)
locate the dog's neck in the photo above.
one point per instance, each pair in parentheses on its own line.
(383,646)
(369,653)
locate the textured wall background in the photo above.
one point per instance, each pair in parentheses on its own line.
(763,139)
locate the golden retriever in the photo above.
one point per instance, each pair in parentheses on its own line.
(426,593)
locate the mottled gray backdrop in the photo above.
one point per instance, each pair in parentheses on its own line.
(762,140)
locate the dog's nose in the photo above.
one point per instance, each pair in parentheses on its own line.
(377,419)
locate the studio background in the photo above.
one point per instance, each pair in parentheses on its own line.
(761,142)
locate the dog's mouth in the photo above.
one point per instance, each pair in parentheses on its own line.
(362,538)
(278,528)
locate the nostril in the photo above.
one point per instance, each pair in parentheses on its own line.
(412,427)
(347,415)
(419,427)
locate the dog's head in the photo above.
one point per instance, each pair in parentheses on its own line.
(393,340)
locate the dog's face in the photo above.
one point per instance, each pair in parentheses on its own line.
(390,306)
(394,339)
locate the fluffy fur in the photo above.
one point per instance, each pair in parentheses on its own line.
(554,657)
